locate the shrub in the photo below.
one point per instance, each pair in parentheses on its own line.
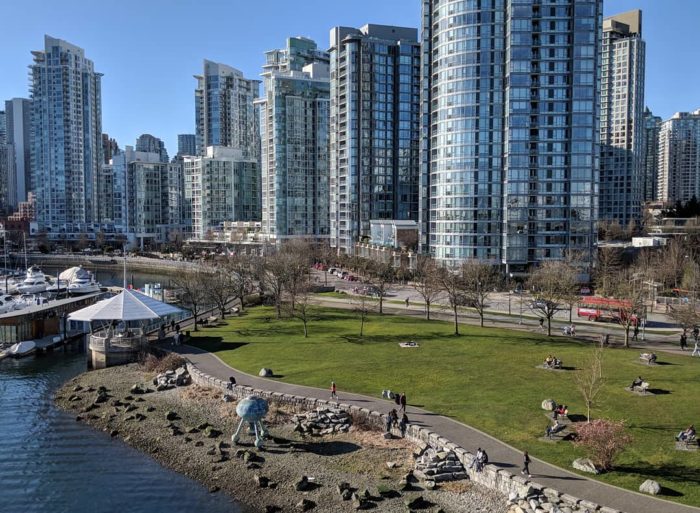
(170,361)
(603,440)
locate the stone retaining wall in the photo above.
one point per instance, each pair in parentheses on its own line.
(518,489)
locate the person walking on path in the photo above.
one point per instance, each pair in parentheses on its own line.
(172,325)
(406,301)
(696,349)
(636,332)
(684,341)
(526,465)
(334,395)
(402,399)
(541,323)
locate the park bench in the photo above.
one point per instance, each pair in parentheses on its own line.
(648,358)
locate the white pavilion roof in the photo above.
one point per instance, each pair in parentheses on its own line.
(128,305)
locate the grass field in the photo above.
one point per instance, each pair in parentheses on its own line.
(487,378)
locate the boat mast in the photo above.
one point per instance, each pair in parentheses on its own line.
(24,241)
(124,249)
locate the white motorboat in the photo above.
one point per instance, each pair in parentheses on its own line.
(21,349)
(34,282)
(7,303)
(76,281)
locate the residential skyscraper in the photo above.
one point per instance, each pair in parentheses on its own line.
(510,120)
(3,127)
(221,185)
(650,164)
(679,158)
(224,110)
(18,112)
(374,129)
(186,144)
(148,143)
(294,117)
(66,132)
(110,147)
(622,118)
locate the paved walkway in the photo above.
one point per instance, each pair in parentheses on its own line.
(500,454)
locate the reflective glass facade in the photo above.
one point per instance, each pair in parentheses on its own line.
(375,118)
(622,118)
(220,186)
(66,135)
(679,158)
(224,110)
(294,120)
(511,110)
(650,165)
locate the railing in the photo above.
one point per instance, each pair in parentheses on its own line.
(114,341)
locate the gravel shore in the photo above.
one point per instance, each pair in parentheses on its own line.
(188,429)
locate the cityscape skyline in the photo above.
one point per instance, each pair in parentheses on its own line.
(131,108)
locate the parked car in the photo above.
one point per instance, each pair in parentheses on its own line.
(332,270)
(342,274)
(351,277)
(586,291)
(538,304)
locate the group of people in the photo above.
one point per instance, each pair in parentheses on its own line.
(687,434)
(562,409)
(480,459)
(393,420)
(569,330)
(696,337)
(638,382)
(552,361)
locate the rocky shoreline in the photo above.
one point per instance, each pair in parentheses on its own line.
(188,429)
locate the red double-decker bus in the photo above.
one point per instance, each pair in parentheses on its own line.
(604,309)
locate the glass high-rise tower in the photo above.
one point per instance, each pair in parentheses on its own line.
(650,165)
(66,135)
(510,145)
(374,136)
(294,116)
(622,118)
(224,110)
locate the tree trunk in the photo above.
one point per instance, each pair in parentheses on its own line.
(381,303)
(456,321)
(627,336)
(306,331)
(278,306)
(481,318)
(362,324)
(241,300)
(549,326)
(427,310)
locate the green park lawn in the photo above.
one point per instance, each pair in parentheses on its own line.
(487,378)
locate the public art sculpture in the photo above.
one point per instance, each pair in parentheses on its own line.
(252,410)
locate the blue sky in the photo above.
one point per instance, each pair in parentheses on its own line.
(148,50)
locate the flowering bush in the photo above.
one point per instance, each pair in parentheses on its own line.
(603,440)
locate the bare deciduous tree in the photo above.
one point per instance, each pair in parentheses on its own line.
(589,380)
(363,306)
(426,281)
(194,295)
(453,285)
(628,288)
(381,276)
(302,308)
(552,284)
(479,280)
(218,287)
(242,277)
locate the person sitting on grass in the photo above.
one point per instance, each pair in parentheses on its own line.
(557,362)
(688,434)
(637,382)
(549,361)
(562,409)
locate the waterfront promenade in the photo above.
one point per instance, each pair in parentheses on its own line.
(500,454)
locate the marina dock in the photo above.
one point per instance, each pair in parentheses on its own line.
(40,322)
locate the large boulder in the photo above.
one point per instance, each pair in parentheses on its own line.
(265,373)
(585,465)
(549,404)
(650,487)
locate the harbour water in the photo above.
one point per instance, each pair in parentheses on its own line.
(50,462)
